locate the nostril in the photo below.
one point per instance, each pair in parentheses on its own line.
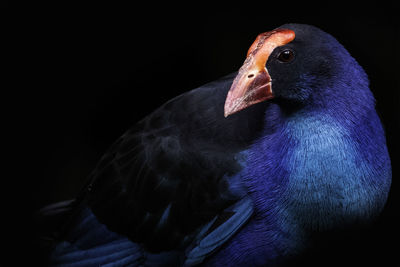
(250,76)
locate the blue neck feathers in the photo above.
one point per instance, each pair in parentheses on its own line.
(310,171)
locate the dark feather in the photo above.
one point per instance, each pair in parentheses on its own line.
(169,174)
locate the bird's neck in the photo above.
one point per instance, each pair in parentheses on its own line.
(305,175)
(321,169)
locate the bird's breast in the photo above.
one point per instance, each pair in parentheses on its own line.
(330,183)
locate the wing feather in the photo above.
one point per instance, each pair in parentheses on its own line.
(169,175)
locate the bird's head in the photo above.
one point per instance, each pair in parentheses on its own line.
(294,63)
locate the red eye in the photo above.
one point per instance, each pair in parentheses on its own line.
(286,56)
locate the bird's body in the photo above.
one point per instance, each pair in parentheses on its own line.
(187,185)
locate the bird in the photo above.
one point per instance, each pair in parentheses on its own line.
(240,171)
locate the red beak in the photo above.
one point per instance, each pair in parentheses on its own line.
(253,84)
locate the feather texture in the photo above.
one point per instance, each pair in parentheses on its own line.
(187,186)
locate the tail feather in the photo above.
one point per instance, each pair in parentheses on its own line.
(87,242)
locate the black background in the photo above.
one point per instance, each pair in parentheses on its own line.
(80,74)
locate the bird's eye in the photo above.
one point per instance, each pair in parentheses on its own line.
(286,56)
